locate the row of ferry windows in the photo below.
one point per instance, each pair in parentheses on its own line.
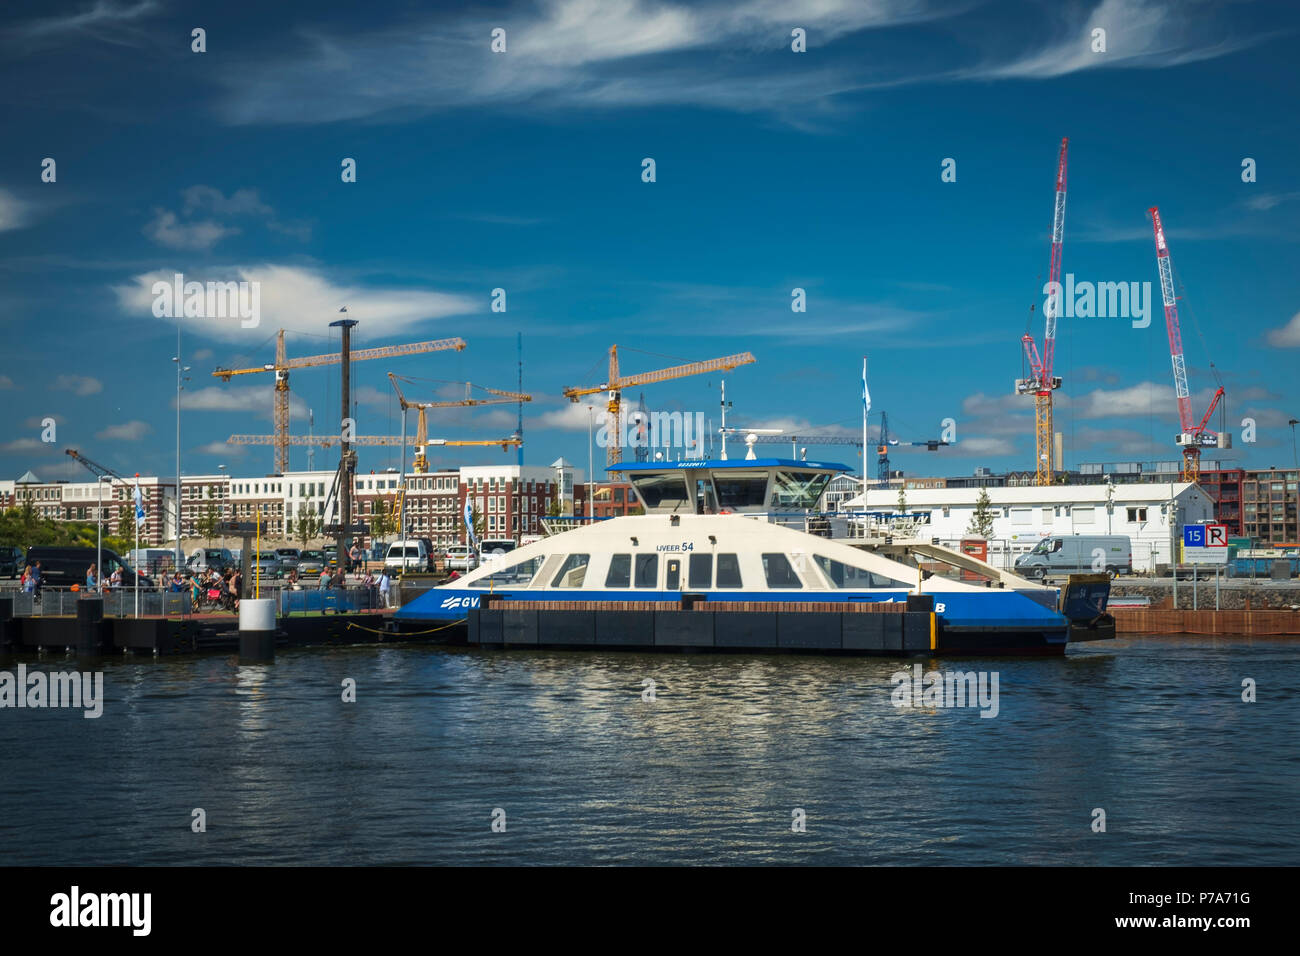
(702,573)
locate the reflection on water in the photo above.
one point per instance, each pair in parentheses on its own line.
(1151,730)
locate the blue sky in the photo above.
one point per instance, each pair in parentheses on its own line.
(523,170)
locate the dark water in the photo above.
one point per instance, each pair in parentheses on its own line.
(1152,730)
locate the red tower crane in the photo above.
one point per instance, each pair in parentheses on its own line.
(1041,382)
(1192,437)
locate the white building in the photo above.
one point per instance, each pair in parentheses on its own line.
(1024,515)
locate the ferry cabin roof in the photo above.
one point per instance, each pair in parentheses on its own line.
(721,486)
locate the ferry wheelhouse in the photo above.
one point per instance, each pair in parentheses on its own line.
(737,534)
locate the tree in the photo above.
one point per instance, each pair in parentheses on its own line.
(902,500)
(981,521)
(553,509)
(206,525)
(383,522)
(306,527)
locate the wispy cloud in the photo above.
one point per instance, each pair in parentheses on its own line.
(634,53)
(203,220)
(1139,34)
(1266,201)
(104,20)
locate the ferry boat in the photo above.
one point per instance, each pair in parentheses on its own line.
(731,537)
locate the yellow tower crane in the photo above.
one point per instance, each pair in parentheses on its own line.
(498,397)
(283,364)
(617,382)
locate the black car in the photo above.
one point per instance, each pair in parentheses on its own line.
(64,567)
(11,561)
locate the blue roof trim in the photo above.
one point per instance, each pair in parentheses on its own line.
(719,464)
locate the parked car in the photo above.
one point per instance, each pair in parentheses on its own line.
(461,557)
(264,564)
(411,555)
(310,563)
(11,561)
(64,567)
(214,559)
(1080,553)
(288,558)
(332,555)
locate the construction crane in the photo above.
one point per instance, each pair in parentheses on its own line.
(617,382)
(1192,436)
(96,469)
(777,436)
(283,365)
(498,397)
(331,441)
(1041,382)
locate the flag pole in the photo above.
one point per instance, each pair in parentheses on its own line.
(136,569)
(866,407)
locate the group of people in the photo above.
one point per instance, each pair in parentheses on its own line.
(31,579)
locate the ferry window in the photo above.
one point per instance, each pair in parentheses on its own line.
(798,489)
(620,571)
(573,572)
(647,570)
(846,576)
(700,571)
(728,571)
(740,490)
(705,503)
(779,574)
(517,575)
(663,492)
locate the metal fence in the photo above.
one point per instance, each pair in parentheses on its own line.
(55,602)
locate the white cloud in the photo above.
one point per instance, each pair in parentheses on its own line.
(14,213)
(1288,336)
(187,231)
(304,300)
(79,384)
(127,431)
(1265,201)
(571,417)
(220,449)
(22,444)
(257,400)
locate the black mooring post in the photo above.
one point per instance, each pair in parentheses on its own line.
(8,626)
(90,619)
(256,631)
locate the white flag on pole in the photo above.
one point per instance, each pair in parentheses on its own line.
(139,505)
(866,395)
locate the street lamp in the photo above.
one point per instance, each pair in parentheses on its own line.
(180,379)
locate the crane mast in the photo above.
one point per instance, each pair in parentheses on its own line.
(1192,435)
(1042,382)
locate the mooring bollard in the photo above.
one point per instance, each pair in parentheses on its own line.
(256,630)
(90,619)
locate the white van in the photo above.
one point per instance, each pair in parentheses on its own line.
(409,555)
(152,562)
(1061,555)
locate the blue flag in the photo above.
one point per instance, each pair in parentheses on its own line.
(139,505)
(469,520)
